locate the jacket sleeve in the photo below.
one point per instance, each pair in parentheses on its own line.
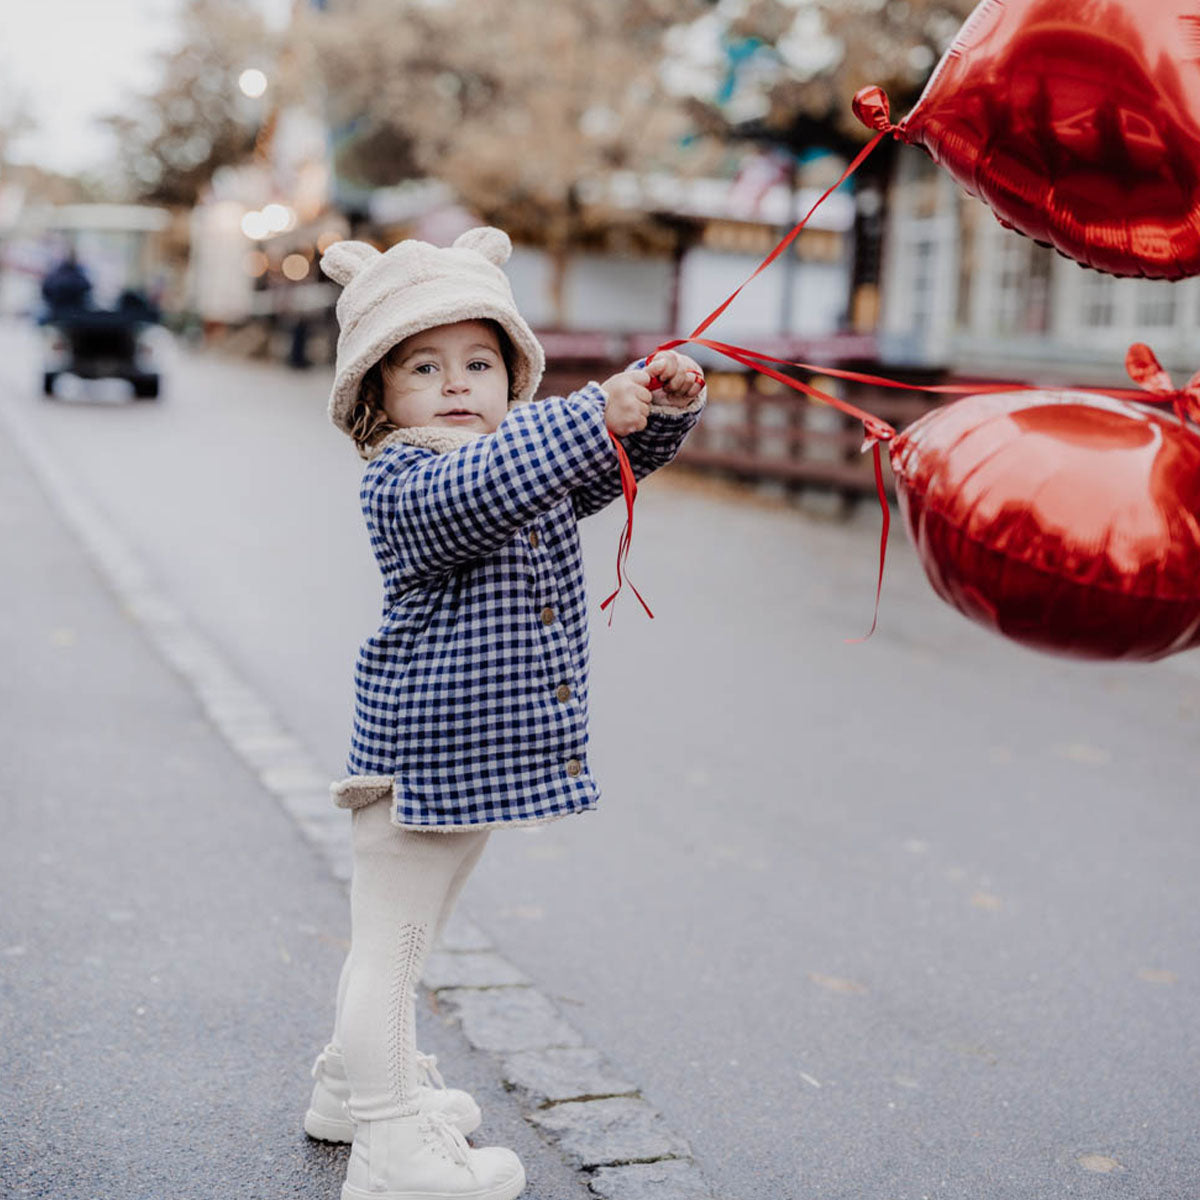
(648,449)
(435,512)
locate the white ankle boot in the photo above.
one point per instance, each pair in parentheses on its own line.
(426,1158)
(327,1118)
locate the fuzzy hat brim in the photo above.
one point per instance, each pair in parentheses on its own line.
(413,287)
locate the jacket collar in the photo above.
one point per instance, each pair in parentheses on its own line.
(428,437)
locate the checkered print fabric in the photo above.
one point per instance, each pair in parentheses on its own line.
(472,693)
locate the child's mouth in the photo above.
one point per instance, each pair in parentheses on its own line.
(458,414)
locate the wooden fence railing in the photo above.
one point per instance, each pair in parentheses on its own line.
(756,428)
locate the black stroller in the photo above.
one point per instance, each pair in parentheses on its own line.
(94,343)
(103,343)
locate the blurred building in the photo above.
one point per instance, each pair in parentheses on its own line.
(961,292)
(734,224)
(121,246)
(257,236)
(243,273)
(652,256)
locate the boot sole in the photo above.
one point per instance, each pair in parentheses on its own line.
(507,1191)
(327,1129)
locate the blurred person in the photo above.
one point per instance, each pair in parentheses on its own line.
(471,698)
(297,357)
(67,288)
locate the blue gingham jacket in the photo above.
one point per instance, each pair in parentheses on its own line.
(471,698)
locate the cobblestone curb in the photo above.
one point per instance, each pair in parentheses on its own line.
(569,1092)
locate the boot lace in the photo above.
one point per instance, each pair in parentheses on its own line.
(451,1140)
(427,1064)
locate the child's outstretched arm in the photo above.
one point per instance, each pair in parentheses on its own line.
(433,512)
(652,436)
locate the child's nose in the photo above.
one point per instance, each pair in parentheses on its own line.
(457,379)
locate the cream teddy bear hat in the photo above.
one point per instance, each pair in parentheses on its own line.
(389,296)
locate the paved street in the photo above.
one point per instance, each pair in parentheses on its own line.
(915,918)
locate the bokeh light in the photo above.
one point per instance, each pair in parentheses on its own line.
(252,82)
(255,225)
(327,239)
(295,267)
(279,217)
(255,264)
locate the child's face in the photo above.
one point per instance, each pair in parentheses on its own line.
(450,375)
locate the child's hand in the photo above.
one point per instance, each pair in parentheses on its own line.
(681,378)
(628,403)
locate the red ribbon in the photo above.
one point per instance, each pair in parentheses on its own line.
(1147,372)
(874,429)
(1142,365)
(629,488)
(790,237)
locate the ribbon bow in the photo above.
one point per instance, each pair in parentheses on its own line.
(1147,372)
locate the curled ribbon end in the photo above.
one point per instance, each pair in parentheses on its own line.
(629,488)
(886,525)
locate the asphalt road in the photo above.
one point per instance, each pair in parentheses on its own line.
(915,918)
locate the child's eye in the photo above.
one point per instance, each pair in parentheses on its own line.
(424,368)
(479,364)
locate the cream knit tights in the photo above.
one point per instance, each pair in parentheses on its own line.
(404,888)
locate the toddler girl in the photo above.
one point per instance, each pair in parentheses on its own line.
(471,698)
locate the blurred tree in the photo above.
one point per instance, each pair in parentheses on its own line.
(894,44)
(515,105)
(783,73)
(23,182)
(197,120)
(796,64)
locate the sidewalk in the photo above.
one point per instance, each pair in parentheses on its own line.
(169,942)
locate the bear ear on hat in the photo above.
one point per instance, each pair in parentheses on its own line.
(343,260)
(492,243)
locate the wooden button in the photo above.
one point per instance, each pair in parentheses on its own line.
(533,538)
(574,767)
(563,692)
(547,615)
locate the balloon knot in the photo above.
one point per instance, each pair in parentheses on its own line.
(876,431)
(1187,403)
(872,107)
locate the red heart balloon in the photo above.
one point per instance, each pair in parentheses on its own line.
(1077,122)
(1066,521)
